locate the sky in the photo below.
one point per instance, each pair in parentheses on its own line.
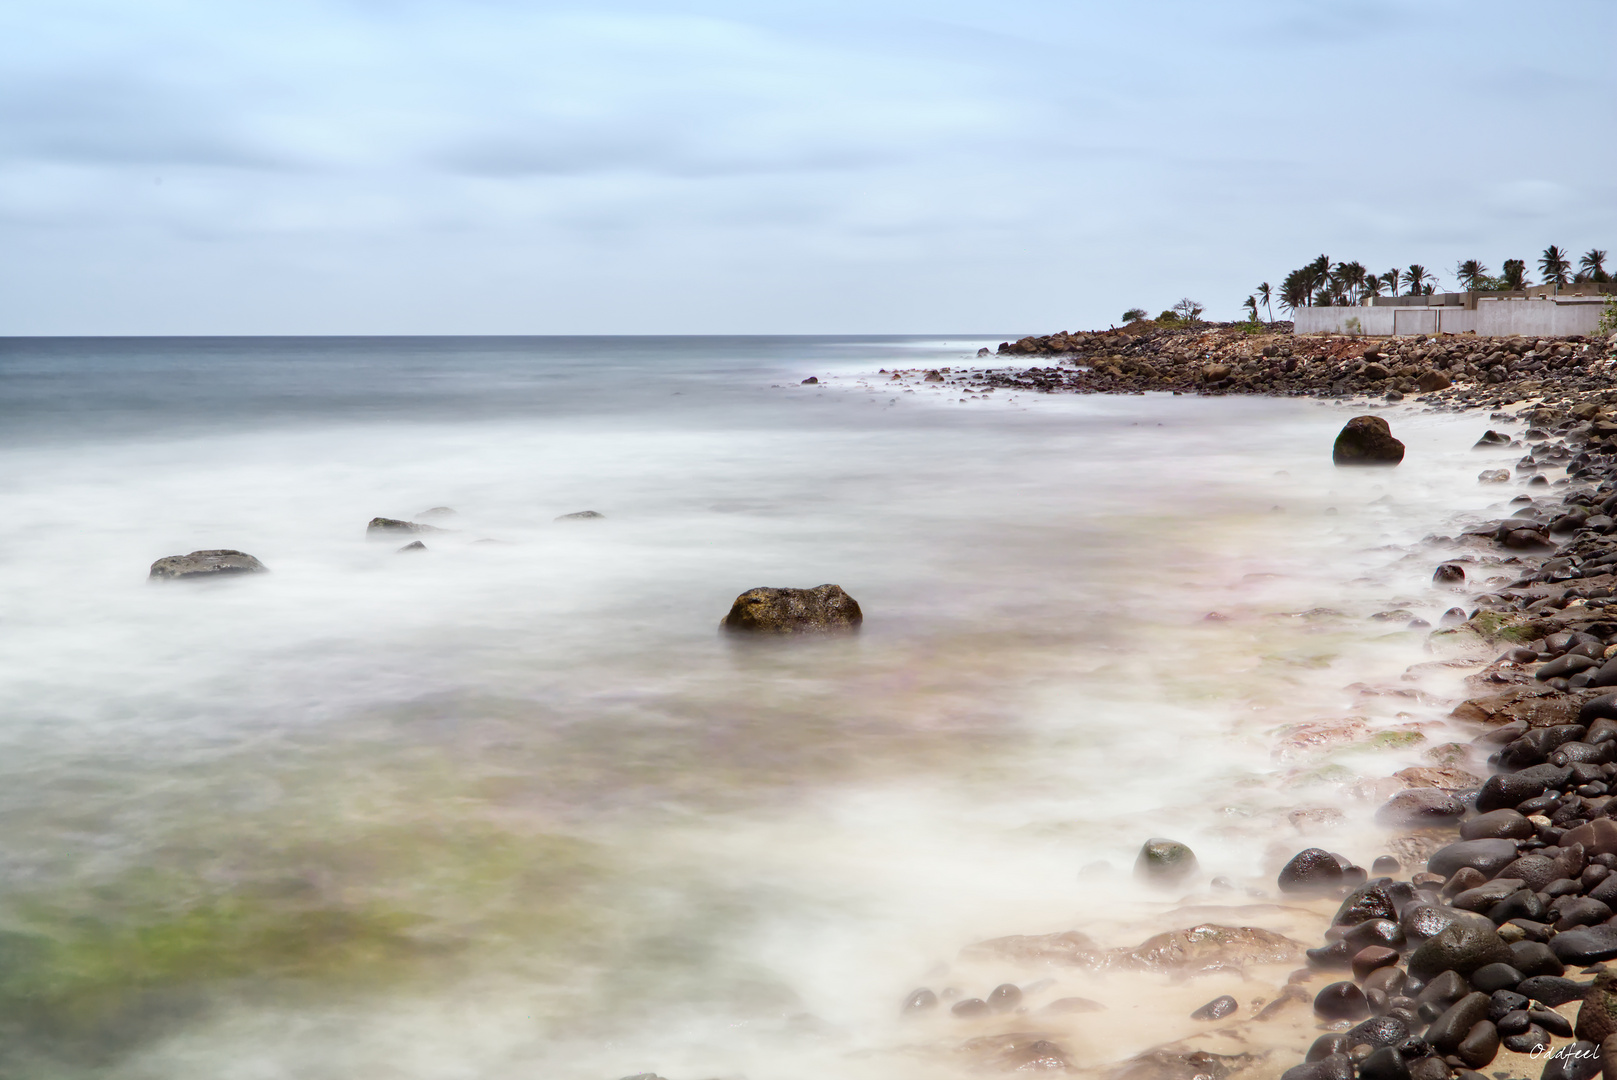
(820,166)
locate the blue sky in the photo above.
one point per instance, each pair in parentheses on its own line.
(179,166)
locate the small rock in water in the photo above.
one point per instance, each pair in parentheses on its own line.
(822,610)
(382,526)
(811,381)
(984,352)
(1341,1001)
(1367,440)
(436,512)
(1449,574)
(1311,870)
(1386,866)
(205,564)
(581,515)
(1421,807)
(414,545)
(921,1000)
(1005,997)
(970,1007)
(1493,476)
(1164,862)
(1217,1009)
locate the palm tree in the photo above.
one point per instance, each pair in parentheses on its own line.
(1265,293)
(1251,306)
(1593,265)
(1514,274)
(1472,274)
(1415,279)
(1372,285)
(1390,280)
(1553,264)
(1294,291)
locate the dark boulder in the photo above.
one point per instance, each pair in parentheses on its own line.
(823,610)
(1462,946)
(205,564)
(1585,945)
(1311,870)
(1367,440)
(1487,856)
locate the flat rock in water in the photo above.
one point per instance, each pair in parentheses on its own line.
(825,609)
(204,564)
(381,526)
(1421,807)
(1367,440)
(1207,947)
(581,515)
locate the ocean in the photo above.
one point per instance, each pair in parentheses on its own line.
(513,807)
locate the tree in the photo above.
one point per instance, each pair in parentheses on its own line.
(1593,265)
(1134,314)
(1265,293)
(1294,291)
(1188,309)
(1415,278)
(1514,274)
(1471,274)
(1390,280)
(1251,306)
(1372,285)
(1554,264)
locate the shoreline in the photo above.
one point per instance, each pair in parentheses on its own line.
(1392,986)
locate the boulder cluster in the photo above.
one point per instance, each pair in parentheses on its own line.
(1267,358)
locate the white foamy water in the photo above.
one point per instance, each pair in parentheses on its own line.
(516,809)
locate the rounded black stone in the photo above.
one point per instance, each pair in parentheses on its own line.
(1311,870)
(1217,1009)
(1341,1001)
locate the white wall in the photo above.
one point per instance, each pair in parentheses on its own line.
(1493,318)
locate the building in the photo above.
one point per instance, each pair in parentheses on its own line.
(1537,311)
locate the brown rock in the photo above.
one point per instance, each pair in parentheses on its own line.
(1433,380)
(1433,776)
(220,562)
(1367,440)
(1540,706)
(822,610)
(1020,1051)
(1207,947)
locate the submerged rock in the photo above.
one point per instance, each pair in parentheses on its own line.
(1164,862)
(1207,947)
(822,610)
(1367,440)
(205,564)
(381,526)
(581,515)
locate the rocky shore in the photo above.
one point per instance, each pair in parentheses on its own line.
(1243,358)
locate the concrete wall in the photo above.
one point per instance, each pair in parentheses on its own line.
(1492,318)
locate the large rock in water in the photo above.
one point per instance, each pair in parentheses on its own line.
(1367,440)
(823,610)
(206,564)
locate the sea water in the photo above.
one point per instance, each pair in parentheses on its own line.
(513,807)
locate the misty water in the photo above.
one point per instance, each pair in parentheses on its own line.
(513,807)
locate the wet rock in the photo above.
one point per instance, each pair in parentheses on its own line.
(1422,921)
(1073,1005)
(383,527)
(1379,899)
(1534,958)
(1505,823)
(1486,856)
(770,611)
(813,380)
(1463,947)
(1164,862)
(922,1000)
(1480,1045)
(1386,865)
(1018,1052)
(414,545)
(1456,1022)
(218,562)
(1334,1067)
(1377,1031)
(1597,1015)
(1069,949)
(1598,837)
(1421,807)
(1492,977)
(1005,997)
(582,515)
(1449,574)
(1493,476)
(1575,1061)
(1491,438)
(1217,1009)
(1552,990)
(1585,945)
(1207,947)
(970,1007)
(1384,1064)
(436,513)
(1311,870)
(1371,958)
(1367,440)
(1342,1001)
(1167,1063)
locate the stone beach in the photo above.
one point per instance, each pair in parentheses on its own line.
(1477,945)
